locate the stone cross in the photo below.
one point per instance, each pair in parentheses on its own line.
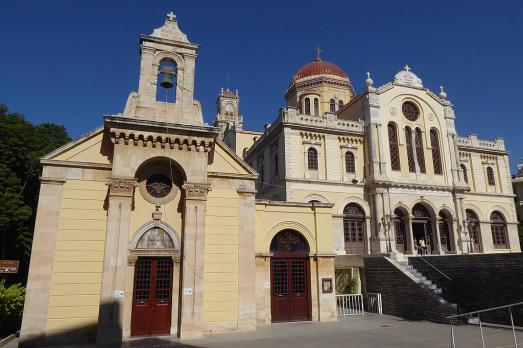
(368,74)
(407,68)
(171,16)
(318,51)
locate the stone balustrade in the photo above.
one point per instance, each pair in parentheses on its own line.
(472,141)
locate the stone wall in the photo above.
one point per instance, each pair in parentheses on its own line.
(401,296)
(478,281)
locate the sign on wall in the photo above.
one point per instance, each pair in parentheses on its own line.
(9,266)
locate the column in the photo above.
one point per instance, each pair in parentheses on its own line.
(34,319)
(191,325)
(247,264)
(413,245)
(112,293)
(437,237)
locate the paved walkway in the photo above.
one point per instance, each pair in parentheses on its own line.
(354,332)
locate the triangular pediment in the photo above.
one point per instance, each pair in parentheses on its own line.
(225,161)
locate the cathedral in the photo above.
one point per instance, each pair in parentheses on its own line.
(157,223)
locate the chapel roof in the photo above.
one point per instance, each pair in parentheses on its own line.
(318,67)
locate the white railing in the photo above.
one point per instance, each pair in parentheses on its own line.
(351,304)
(373,301)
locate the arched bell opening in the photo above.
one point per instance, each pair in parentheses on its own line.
(166,81)
(290,277)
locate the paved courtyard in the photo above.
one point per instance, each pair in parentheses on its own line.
(359,332)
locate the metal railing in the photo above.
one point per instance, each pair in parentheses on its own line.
(470,314)
(351,304)
(373,302)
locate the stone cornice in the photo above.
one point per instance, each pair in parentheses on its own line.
(137,132)
(52,181)
(232,176)
(267,202)
(76,164)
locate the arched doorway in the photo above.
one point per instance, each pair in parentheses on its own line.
(444,225)
(154,251)
(421,230)
(290,277)
(498,228)
(474,231)
(354,229)
(400,231)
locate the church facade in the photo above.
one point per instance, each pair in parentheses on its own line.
(156,223)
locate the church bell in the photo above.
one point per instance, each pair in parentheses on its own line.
(167,81)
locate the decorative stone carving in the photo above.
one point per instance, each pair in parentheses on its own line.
(373,99)
(121,186)
(130,106)
(196,191)
(393,111)
(407,78)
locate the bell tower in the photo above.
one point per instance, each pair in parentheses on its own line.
(166,85)
(228,111)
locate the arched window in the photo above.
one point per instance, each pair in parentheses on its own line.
(393,146)
(350,166)
(354,229)
(420,155)
(436,155)
(332,105)
(499,230)
(410,150)
(474,230)
(166,81)
(444,222)
(316,107)
(155,238)
(312,159)
(490,176)
(465,174)
(340,104)
(307,106)
(400,231)
(289,241)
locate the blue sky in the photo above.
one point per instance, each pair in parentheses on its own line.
(70,62)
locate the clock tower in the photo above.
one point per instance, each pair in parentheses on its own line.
(228,111)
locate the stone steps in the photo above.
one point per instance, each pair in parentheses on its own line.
(421,279)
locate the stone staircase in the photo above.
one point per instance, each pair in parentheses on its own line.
(421,279)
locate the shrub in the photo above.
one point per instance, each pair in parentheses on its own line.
(11,305)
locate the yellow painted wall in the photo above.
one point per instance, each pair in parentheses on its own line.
(86,150)
(221,257)
(77,268)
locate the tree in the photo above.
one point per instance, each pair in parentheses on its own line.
(22,144)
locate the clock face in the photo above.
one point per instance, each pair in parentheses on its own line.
(228,107)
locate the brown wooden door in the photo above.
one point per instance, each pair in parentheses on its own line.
(290,295)
(152,297)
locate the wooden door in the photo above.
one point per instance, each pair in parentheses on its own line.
(152,297)
(290,295)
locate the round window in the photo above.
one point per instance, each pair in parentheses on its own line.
(410,111)
(158,185)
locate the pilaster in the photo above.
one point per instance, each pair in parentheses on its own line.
(110,317)
(34,321)
(192,260)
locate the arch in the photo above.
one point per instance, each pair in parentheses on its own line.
(400,220)
(445,229)
(410,149)
(477,210)
(431,209)
(350,165)
(316,107)
(340,104)
(504,212)
(420,150)
(289,240)
(491,179)
(171,232)
(498,228)
(289,225)
(354,229)
(332,105)
(465,173)
(167,70)
(315,197)
(353,199)
(474,230)
(307,106)
(394,146)
(436,153)
(163,55)
(312,158)
(161,160)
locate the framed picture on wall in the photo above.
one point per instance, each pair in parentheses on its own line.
(326,285)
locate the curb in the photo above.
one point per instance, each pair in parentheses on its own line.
(9,338)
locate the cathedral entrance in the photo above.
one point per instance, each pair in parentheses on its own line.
(290,278)
(421,230)
(152,296)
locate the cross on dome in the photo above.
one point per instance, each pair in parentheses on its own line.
(407,68)
(171,16)
(318,51)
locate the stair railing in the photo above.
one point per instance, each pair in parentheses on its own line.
(457,316)
(431,265)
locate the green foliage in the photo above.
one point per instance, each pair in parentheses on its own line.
(22,144)
(11,305)
(344,283)
(352,287)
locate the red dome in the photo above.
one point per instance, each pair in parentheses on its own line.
(319,67)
